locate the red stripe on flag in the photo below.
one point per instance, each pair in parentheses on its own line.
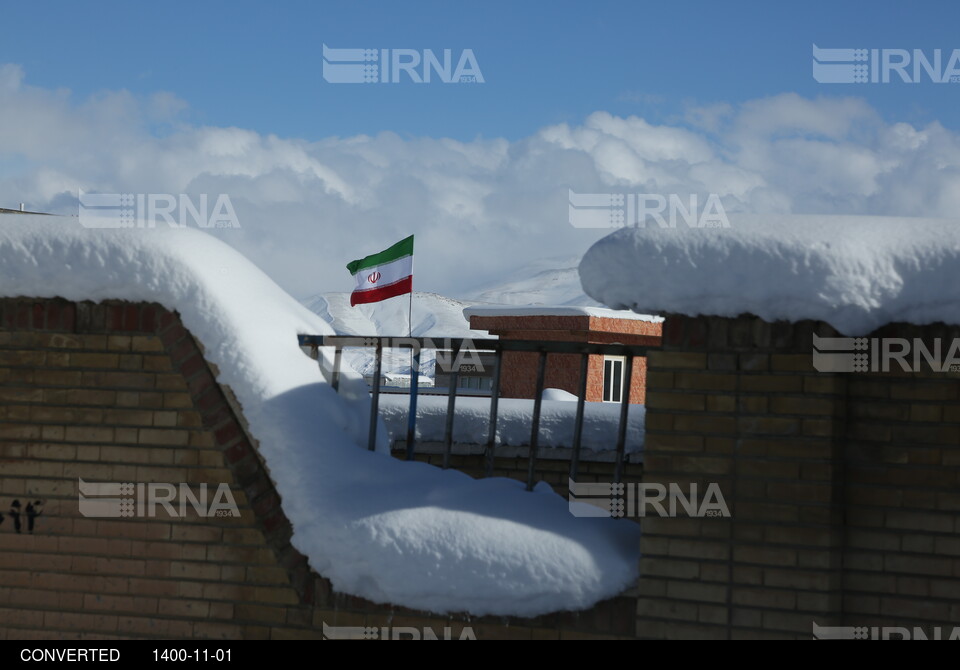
(405,285)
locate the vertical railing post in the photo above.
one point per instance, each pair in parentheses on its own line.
(494,406)
(451,405)
(375,400)
(535,430)
(337,355)
(412,414)
(578,423)
(315,342)
(624,415)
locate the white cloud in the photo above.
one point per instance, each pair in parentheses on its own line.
(10,77)
(790,114)
(481,208)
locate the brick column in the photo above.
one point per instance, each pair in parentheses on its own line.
(737,402)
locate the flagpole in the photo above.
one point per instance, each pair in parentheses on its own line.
(414,374)
(389,258)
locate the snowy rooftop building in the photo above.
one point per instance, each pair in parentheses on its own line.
(565,323)
(407,534)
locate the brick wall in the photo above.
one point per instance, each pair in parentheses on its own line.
(519,376)
(563,372)
(120,392)
(844,489)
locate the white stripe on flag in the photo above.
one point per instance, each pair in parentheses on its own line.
(381,275)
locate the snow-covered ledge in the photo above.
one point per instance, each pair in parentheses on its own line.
(557,310)
(856,273)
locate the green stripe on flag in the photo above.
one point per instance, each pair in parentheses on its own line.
(399,250)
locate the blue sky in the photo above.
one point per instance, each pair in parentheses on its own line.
(258,65)
(670,98)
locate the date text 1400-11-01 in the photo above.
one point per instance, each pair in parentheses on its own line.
(191,655)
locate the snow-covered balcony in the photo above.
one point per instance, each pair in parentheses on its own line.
(554,438)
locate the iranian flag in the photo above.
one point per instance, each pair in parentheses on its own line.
(383,275)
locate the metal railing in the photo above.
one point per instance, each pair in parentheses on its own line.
(498,347)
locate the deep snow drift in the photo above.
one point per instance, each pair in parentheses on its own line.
(854,272)
(404,533)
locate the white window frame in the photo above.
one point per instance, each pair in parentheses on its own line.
(609,393)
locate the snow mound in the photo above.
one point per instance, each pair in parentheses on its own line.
(558,394)
(433,315)
(386,530)
(855,272)
(551,281)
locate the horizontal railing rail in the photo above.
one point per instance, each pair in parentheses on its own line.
(498,347)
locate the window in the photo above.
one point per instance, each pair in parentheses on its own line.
(475,383)
(612,378)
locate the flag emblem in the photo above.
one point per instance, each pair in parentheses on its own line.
(383,275)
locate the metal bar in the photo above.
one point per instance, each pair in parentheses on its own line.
(412,412)
(578,423)
(375,400)
(624,413)
(451,407)
(337,356)
(535,430)
(483,345)
(494,406)
(629,352)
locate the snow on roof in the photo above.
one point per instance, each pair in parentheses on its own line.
(403,379)
(405,375)
(390,531)
(854,272)
(559,310)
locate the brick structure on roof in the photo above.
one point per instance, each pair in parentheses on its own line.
(519,376)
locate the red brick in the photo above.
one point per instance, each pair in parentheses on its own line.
(38,316)
(23,316)
(192,365)
(172,334)
(148,318)
(238,452)
(228,433)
